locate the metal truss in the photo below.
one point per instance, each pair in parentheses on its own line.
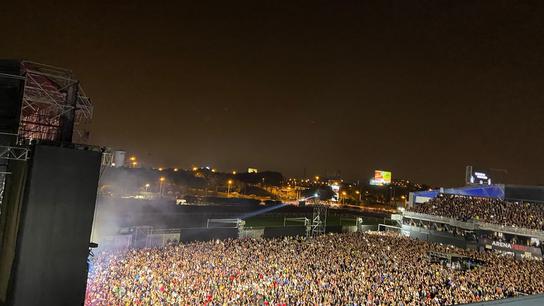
(48,94)
(3,175)
(14,153)
(319,219)
(7,153)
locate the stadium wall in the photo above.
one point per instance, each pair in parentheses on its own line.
(205,234)
(436,237)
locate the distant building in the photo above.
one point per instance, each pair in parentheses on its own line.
(252,170)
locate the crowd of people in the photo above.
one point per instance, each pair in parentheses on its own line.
(333,269)
(496,211)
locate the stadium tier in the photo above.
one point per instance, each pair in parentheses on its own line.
(510,226)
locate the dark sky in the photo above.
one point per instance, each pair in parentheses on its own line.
(421,88)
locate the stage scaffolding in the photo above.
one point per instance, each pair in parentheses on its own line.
(54,104)
(54,108)
(319,219)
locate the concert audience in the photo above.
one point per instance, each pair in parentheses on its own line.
(519,214)
(333,269)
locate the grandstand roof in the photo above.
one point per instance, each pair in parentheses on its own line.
(498,191)
(487,191)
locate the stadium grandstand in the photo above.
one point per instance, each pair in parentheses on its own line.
(505,218)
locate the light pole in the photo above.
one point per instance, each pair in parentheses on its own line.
(344,197)
(147,187)
(228,188)
(133,161)
(359,194)
(161,183)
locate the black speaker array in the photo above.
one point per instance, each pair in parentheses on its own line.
(11,96)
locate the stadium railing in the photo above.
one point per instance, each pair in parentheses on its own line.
(476,225)
(440,219)
(511,230)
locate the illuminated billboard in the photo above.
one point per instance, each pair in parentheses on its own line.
(381,178)
(477,176)
(336,189)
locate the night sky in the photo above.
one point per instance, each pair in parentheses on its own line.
(421,88)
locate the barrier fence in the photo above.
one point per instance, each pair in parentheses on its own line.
(153,238)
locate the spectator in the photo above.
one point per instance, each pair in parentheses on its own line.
(496,211)
(340,269)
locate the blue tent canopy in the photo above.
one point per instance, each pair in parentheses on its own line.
(487,191)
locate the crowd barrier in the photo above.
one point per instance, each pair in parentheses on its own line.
(161,238)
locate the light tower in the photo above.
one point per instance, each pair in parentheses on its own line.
(319,219)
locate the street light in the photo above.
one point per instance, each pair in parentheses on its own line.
(147,187)
(344,197)
(359,194)
(162,179)
(228,188)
